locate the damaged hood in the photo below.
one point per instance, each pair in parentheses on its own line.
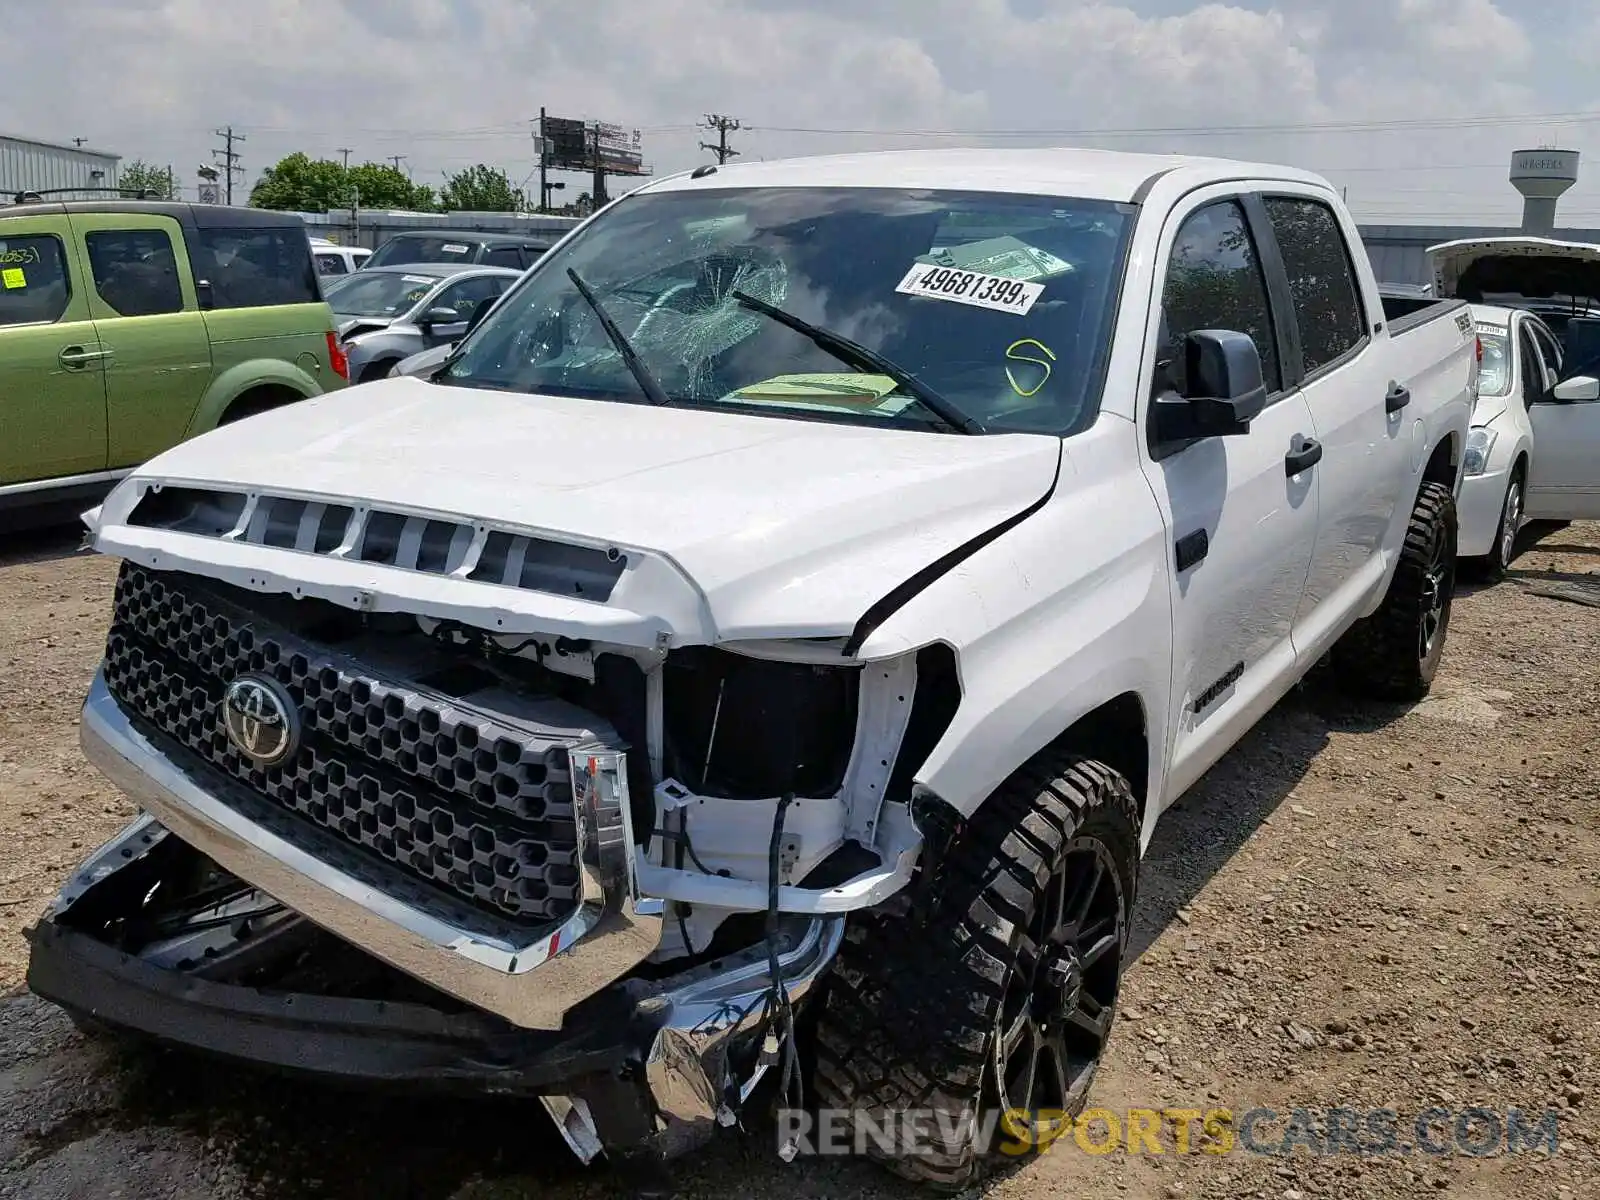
(732,526)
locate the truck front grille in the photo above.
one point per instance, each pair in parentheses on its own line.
(474,803)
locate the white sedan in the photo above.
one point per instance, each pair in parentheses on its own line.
(1536,428)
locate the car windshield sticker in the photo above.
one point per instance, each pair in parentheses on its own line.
(976,288)
(454,248)
(415,279)
(13,277)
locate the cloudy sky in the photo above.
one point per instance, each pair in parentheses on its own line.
(1413,105)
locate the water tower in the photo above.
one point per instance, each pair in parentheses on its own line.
(1542,176)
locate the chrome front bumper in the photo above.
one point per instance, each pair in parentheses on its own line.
(488,965)
(648,1069)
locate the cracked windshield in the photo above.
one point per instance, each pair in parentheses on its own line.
(989,312)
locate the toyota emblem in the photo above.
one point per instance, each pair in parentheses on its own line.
(261,719)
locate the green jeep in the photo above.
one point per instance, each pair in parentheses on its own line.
(126,327)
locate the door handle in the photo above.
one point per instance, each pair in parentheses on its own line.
(79,356)
(1399,395)
(1303,459)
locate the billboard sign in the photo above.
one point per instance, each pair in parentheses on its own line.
(569,145)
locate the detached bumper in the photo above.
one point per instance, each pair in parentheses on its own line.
(644,1064)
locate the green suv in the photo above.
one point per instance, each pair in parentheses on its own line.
(126,327)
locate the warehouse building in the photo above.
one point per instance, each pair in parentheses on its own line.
(27,164)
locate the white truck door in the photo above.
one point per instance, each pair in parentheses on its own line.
(1243,526)
(1564,476)
(1343,374)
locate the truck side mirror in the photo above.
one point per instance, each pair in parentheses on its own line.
(1579,387)
(1226,391)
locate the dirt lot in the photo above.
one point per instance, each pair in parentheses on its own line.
(1362,907)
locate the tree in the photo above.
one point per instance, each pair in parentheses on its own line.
(158,183)
(299,183)
(383,186)
(480,189)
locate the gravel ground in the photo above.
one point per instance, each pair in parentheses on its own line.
(1367,907)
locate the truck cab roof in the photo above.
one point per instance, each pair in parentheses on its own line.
(1091,174)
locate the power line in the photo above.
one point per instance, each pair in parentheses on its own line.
(723,126)
(230,160)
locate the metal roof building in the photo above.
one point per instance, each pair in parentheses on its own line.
(27,164)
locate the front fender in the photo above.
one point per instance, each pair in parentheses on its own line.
(243,377)
(1069,610)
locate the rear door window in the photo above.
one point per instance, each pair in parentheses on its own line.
(331,264)
(135,271)
(34,288)
(504,256)
(257,267)
(1322,279)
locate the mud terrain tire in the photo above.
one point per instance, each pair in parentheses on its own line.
(1394,654)
(922,992)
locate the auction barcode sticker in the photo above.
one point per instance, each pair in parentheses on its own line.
(970,287)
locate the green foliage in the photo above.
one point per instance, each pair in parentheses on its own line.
(480,189)
(300,183)
(158,183)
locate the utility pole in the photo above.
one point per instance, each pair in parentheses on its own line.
(723,126)
(345,150)
(599,194)
(544,183)
(397,159)
(79,141)
(230,160)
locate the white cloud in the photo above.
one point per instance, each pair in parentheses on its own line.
(451,82)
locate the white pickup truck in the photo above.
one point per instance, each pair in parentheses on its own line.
(801,595)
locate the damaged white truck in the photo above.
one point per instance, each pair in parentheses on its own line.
(764,645)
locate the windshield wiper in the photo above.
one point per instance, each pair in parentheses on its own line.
(857,355)
(630,357)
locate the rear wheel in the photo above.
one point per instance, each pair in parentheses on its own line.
(998,996)
(377,370)
(1394,654)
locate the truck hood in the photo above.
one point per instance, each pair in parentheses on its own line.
(1516,267)
(732,526)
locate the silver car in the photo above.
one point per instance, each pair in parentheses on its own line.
(385,314)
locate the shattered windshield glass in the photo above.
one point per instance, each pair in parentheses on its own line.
(1000,304)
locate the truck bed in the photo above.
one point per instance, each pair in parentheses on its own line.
(1405,313)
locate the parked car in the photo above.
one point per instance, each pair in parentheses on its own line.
(1534,450)
(828,568)
(385,314)
(514,250)
(128,326)
(333,260)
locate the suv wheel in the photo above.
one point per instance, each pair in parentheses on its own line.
(1394,654)
(999,993)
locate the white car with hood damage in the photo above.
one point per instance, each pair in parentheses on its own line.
(800,596)
(1534,450)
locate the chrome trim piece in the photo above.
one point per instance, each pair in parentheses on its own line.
(64,481)
(687,1069)
(576,1125)
(608,935)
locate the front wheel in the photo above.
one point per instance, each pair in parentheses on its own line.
(961,1027)
(1394,654)
(1493,566)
